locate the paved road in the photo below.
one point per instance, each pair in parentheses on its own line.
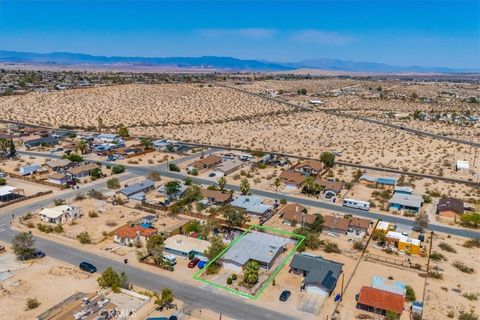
(314,203)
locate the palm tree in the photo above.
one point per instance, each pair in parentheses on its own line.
(100,124)
(309,184)
(221,183)
(244,186)
(277,183)
(81,146)
(250,275)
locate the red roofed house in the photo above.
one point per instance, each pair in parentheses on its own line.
(380,301)
(127,235)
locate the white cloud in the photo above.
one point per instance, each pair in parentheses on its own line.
(313,36)
(253,33)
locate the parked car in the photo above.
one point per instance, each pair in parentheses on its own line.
(88,267)
(329,194)
(211,175)
(56,150)
(201,264)
(285,295)
(193,263)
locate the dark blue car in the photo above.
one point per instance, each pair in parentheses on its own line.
(88,267)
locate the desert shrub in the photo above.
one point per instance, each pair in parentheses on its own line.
(437,256)
(470,296)
(59,202)
(32,303)
(95,194)
(234,276)
(410,294)
(331,247)
(462,267)
(117,169)
(80,197)
(173,167)
(467,315)
(113,183)
(435,275)
(472,243)
(111,223)
(58,228)
(447,247)
(93,214)
(283,201)
(229,281)
(44,228)
(84,238)
(358,245)
(3,181)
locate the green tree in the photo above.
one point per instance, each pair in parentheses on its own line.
(251,272)
(117,169)
(421,220)
(73,157)
(13,151)
(328,159)
(410,294)
(23,245)
(96,173)
(471,219)
(172,187)
(3,181)
(277,183)
(147,143)
(113,183)
(155,248)
(173,167)
(222,183)
(215,248)
(235,216)
(244,186)
(123,132)
(84,237)
(317,224)
(309,185)
(110,279)
(82,146)
(390,315)
(165,299)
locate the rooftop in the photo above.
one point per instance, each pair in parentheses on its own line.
(336,222)
(381,299)
(407,200)
(258,246)
(186,244)
(450,204)
(137,187)
(320,271)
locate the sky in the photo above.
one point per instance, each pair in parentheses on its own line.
(403,33)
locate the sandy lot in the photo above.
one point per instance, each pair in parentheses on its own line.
(30,281)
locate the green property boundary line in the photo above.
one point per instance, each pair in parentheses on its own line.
(199,273)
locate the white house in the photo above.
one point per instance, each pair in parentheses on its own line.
(59,214)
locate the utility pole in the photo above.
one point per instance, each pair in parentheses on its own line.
(341,292)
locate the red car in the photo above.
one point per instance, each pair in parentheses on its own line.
(193,262)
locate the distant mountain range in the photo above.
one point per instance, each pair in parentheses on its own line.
(211,62)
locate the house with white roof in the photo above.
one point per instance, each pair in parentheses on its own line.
(253,205)
(59,214)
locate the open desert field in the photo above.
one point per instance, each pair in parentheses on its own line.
(220,115)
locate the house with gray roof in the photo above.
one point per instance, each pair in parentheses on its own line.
(252,205)
(408,202)
(261,247)
(320,275)
(137,191)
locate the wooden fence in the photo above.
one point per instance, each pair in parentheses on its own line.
(32,179)
(38,194)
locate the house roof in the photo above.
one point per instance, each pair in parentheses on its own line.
(137,187)
(56,176)
(83,168)
(314,164)
(251,204)
(207,161)
(258,246)
(381,299)
(387,180)
(55,212)
(5,190)
(390,286)
(330,185)
(335,222)
(292,177)
(229,165)
(216,195)
(450,204)
(186,244)
(359,223)
(407,200)
(131,232)
(403,189)
(321,272)
(295,212)
(58,163)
